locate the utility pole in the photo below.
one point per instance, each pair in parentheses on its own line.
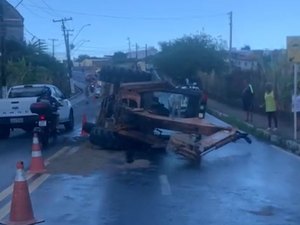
(3,56)
(129,47)
(53,46)
(67,43)
(136,56)
(146,51)
(230,35)
(136,51)
(146,55)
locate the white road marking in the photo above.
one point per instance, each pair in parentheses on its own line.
(165,186)
(37,182)
(7,191)
(57,154)
(286,152)
(4,211)
(73,150)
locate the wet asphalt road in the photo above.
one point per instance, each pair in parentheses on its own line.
(18,146)
(238,184)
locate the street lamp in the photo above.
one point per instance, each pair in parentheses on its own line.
(86,25)
(82,42)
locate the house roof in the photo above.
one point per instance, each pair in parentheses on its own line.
(96,60)
(11,12)
(244,55)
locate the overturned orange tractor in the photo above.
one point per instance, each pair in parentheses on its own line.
(156,115)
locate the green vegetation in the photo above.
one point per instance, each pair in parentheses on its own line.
(273,68)
(119,57)
(187,56)
(29,63)
(203,59)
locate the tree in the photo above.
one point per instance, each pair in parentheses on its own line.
(246,48)
(29,63)
(82,57)
(119,57)
(186,56)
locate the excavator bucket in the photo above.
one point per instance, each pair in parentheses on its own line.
(134,107)
(193,148)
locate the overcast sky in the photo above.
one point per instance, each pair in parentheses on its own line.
(262,24)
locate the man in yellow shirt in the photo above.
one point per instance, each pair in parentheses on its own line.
(270,107)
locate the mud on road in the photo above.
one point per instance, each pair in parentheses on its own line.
(86,159)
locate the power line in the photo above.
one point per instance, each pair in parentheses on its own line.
(81,49)
(50,8)
(44,10)
(32,12)
(34,36)
(135,18)
(102,47)
(19,3)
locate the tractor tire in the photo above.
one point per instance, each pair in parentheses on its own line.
(104,138)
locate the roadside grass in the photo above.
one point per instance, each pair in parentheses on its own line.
(259,133)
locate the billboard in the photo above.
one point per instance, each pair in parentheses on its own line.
(293,48)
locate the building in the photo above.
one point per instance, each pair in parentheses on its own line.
(95,62)
(141,54)
(245,60)
(91,65)
(13,23)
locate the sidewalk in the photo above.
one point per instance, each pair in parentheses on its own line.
(236,116)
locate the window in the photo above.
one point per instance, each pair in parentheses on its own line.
(130,103)
(26,92)
(58,93)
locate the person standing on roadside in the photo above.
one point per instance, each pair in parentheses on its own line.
(86,93)
(270,107)
(248,100)
(203,103)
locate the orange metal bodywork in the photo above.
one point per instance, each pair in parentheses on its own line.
(141,124)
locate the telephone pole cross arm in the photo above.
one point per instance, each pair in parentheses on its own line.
(53,40)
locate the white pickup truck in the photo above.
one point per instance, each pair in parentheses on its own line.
(15,110)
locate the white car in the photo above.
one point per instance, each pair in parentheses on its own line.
(15,110)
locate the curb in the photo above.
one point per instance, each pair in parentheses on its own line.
(288,145)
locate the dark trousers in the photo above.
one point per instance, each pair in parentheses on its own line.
(272,116)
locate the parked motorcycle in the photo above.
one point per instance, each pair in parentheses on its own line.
(92,88)
(97,91)
(46,125)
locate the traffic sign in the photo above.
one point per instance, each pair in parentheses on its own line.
(293,48)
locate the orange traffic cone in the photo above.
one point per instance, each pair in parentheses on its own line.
(84,121)
(37,162)
(21,212)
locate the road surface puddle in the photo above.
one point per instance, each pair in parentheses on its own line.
(264,211)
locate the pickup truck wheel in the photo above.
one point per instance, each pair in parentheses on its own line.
(70,124)
(4,132)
